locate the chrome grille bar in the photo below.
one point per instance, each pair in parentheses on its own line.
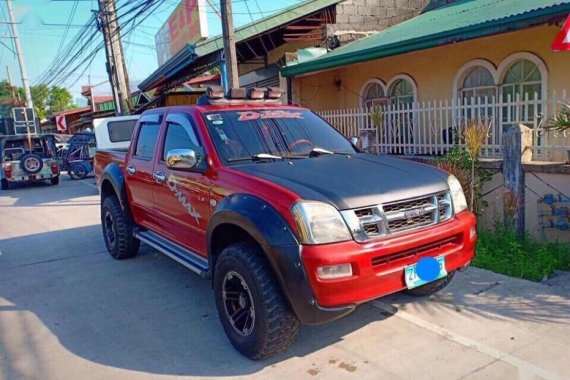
(395,217)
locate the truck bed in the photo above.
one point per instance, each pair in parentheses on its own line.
(104,157)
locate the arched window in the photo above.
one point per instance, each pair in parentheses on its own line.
(402,92)
(373,94)
(521,79)
(478,83)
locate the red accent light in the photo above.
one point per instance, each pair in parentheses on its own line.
(54,168)
(8,171)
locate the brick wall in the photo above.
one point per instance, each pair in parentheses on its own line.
(357,18)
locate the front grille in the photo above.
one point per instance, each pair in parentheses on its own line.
(443,244)
(390,218)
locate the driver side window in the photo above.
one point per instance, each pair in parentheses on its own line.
(179,135)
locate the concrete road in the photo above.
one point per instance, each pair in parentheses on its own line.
(69,311)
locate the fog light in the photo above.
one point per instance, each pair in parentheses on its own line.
(331,272)
(472,233)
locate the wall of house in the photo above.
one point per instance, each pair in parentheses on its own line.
(356,16)
(433,70)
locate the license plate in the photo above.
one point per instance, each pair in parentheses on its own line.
(412,278)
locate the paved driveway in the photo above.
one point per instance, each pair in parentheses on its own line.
(68,311)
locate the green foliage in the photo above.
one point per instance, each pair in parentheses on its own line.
(46,100)
(59,99)
(459,158)
(561,121)
(5,91)
(502,252)
(40,96)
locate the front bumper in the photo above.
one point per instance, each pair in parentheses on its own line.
(378,266)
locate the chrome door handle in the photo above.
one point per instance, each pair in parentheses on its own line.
(159,177)
(131,170)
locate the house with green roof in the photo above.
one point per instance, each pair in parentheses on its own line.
(489,61)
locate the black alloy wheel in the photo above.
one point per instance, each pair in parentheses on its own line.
(238,303)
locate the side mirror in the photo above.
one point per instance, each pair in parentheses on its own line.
(354,140)
(193,160)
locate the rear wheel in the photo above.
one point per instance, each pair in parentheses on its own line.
(54,181)
(117,230)
(5,184)
(251,308)
(432,287)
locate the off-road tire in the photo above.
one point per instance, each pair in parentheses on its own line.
(54,181)
(5,184)
(124,244)
(432,287)
(275,326)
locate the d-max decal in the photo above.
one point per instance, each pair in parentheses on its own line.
(173,186)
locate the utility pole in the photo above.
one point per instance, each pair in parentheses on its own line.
(230,56)
(20,55)
(115,57)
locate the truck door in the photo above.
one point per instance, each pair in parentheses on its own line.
(139,169)
(182,198)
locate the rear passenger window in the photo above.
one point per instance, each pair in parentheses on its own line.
(146,142)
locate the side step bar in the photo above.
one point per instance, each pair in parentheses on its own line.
(189,259)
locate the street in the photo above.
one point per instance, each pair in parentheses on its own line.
(69,311)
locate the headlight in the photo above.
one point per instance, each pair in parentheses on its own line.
(457,195)
(320,223)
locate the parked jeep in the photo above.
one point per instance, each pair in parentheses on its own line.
(288,220)
(28,158)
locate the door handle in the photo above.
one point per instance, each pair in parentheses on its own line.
(131,170)
(159,177)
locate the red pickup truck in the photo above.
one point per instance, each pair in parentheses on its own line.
(290,222)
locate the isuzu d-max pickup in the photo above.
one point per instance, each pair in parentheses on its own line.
(289,221)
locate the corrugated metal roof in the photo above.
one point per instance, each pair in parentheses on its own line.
(454,22)
(245,32)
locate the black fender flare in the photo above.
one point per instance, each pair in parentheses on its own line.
(254,215)
(281,248)
(114,175)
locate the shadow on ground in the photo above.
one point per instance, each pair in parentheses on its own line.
(149,314)
(146,314)
(41,193)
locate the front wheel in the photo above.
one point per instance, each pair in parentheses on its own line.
(251,307)
(77,171)
(432,287)
(117,230)
(5,184)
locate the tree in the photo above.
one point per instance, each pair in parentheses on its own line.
(59,99)
(40,96)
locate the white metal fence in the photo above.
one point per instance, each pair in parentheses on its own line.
(432,127)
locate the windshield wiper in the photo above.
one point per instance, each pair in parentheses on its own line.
(316,151)
(257,157)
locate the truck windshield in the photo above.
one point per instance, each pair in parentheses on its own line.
(242,135)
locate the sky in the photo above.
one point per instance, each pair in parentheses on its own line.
(41,26)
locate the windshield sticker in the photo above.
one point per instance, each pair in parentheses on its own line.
(173,186)
(251,115)
(214,116)
(222,134)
